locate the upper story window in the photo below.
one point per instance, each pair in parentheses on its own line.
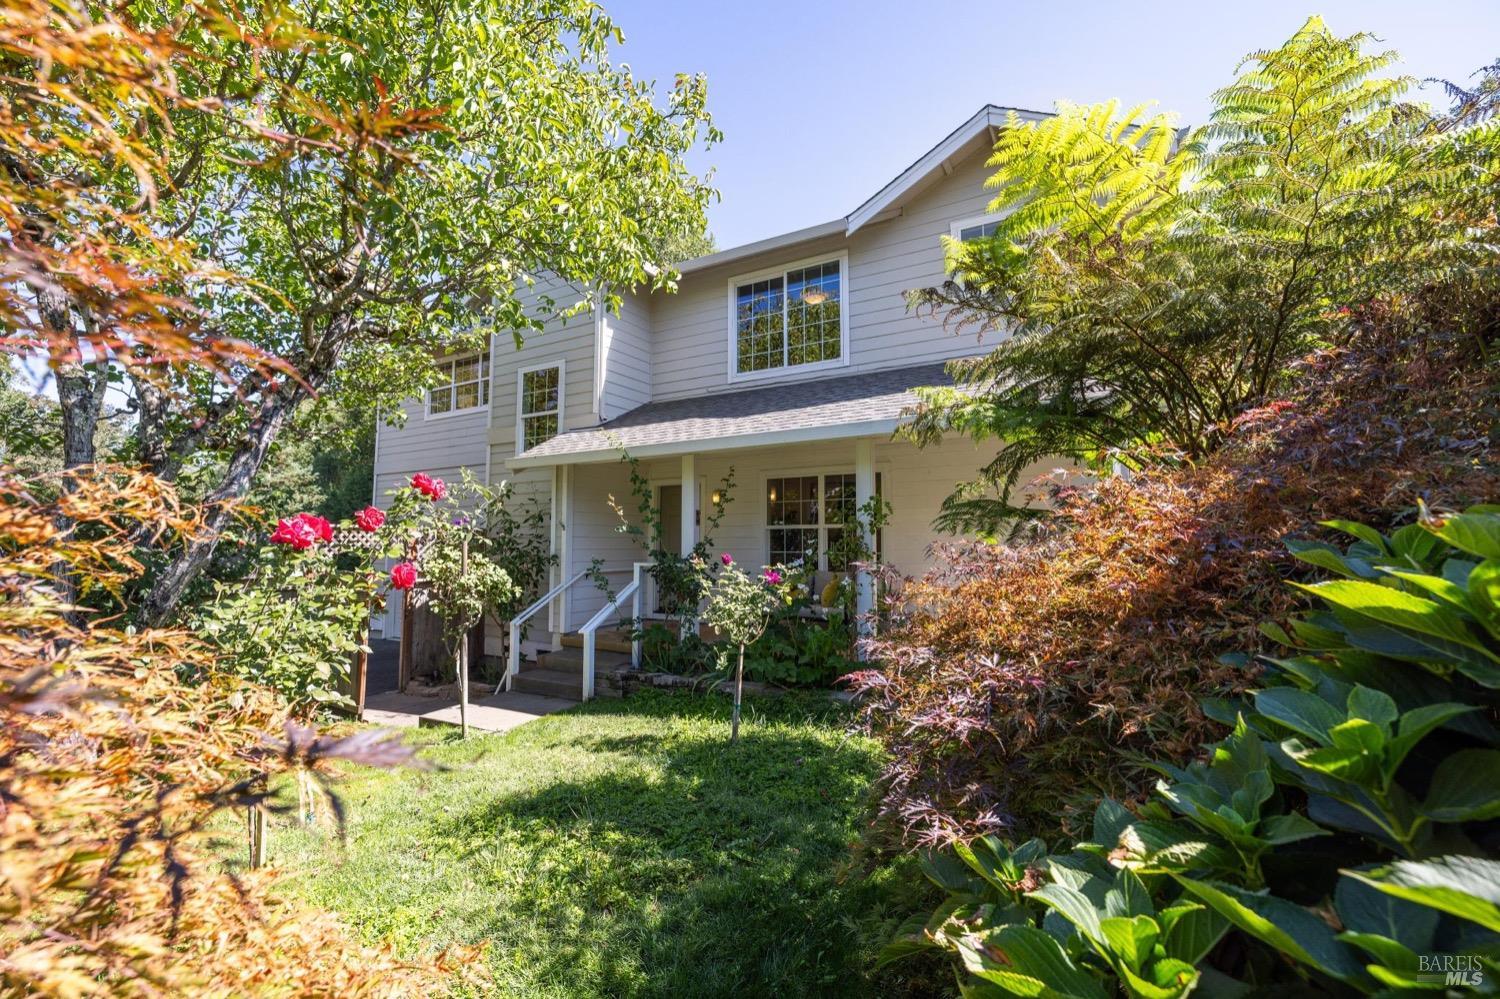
(793,316)
(538,405)
(979,227)
(466,385)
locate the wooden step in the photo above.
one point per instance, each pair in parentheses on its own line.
(605,640)
(570,660)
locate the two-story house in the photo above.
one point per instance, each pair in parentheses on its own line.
(790,359)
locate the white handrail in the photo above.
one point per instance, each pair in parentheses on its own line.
(513,666)
(588,630)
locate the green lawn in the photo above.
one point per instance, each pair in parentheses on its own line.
(624,849)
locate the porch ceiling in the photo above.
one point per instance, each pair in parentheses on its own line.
(824,409)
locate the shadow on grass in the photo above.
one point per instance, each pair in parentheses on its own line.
(680,865)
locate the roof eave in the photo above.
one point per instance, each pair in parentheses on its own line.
(796,435)
(986,119)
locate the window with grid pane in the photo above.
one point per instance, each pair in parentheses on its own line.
(792,508)
(804,518)
(466,385)
(540,405)
(839,507)
(788,319)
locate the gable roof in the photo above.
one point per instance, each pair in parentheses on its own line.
(823,409)
(905,185)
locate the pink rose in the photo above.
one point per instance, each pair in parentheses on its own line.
(439,489)
(726,559)
(403,575)
(772,577)
(369,519)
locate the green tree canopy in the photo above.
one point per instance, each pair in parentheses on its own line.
(1151,282)
(522,151)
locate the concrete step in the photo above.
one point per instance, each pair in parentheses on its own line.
(549,683)
(605,640)
(570,660)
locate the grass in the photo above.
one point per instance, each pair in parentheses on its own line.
(624,849)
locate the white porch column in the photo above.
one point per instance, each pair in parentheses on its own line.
(689,517)
(864,491)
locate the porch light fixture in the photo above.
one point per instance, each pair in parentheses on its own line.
(815,296)
(716,497)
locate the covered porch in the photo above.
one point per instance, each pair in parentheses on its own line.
(786,464)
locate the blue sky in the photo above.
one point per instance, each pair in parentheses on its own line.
(822,103)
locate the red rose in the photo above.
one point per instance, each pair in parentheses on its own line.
(369,519)
(319,526)
(422,483)
(295,532)
(403,575)
(439,489)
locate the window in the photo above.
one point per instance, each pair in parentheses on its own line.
(789,317)
(466,385)
(538,406)
(804,518)
(980,227)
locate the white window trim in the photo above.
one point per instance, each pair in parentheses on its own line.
(484,404)
(842,361)
(562,398)
(822,472)
(962,224)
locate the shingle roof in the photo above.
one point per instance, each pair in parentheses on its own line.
(826,408)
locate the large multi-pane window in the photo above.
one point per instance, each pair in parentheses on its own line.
(790,318)
(805,515)
(466,385)
(539,406)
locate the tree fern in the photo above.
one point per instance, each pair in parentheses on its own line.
(1148,283)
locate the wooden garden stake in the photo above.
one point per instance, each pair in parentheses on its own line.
(256,821)
(463,663)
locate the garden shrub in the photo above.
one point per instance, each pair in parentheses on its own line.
(112,770)
(1341,840)
(1015,685)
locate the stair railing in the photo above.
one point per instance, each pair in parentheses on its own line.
(587,632)
(513,665)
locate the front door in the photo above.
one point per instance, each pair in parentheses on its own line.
(669,505)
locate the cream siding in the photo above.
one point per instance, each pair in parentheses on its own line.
(915,481)
(886,259)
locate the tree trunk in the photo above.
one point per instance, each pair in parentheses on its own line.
(739,686)
(191,560)
(80,397)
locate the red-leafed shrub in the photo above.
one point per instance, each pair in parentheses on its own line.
(1017,684)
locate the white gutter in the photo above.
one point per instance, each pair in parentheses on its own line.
(773,438)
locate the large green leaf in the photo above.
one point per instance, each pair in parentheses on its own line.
(1191,930)
(1465,787)
(1466,887)
(1299,710)
(1363,909)
(1398,609)
(1027,962)
(1363,532)
(1288,928)
(1475,533)
(1414,726)
(1073,906)
(1484,594)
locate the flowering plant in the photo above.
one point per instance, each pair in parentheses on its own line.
(739,608)
(369,519)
